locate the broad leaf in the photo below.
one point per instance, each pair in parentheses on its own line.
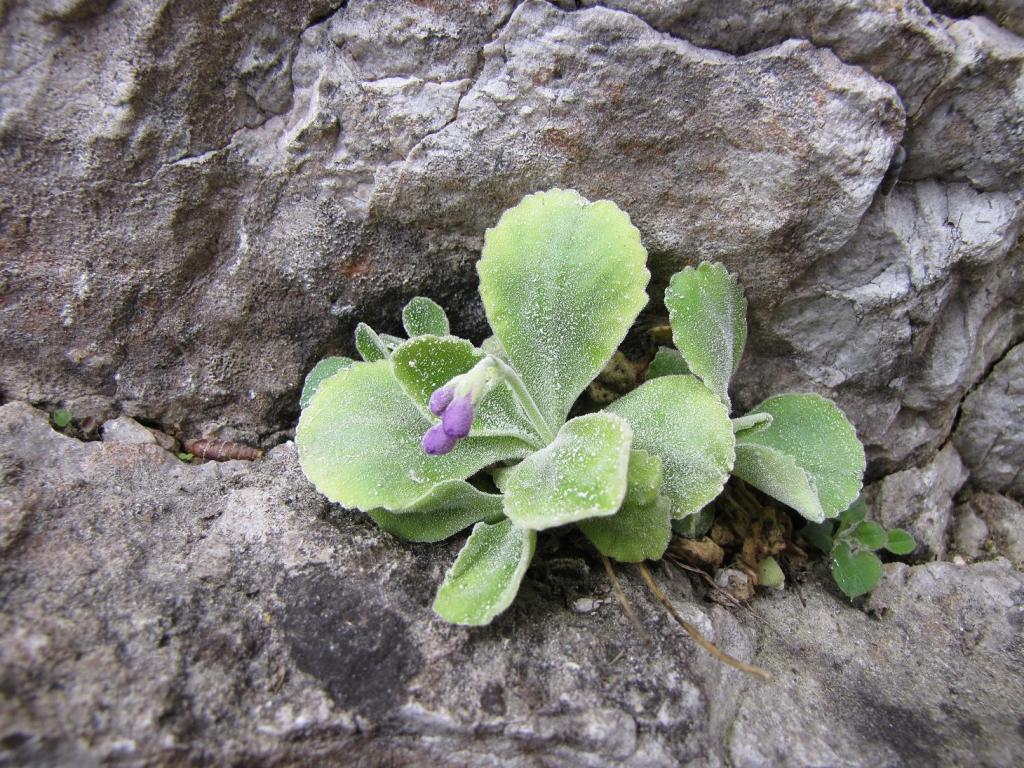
(696,525)
(485,578)
(424,316)
(855,574)
(819,535)
(769,573)
(642,527)
(370,346)
(853,514)
(900,542)
(359,442)
(581,474)
(667,362)
(809,458)
(679,419)
(708,314)
(446,510)
(322,370)
(562,280)
(870,535)
(426,363)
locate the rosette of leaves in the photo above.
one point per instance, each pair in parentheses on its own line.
(562,280)
(851,543)
(797,448)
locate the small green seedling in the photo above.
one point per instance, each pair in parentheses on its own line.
(185,456)
(431,434)
(61,418)
(851,544)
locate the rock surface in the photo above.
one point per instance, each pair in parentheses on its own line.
(988,523)
(160,613)
(989,434)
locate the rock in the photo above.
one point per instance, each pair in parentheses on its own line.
(236,189)
(900,42)
(162,613)
(987,524)
(906,318)
(972,127)
(126,430)
(904,688)
(989,434)
(1006,13)
(920,500)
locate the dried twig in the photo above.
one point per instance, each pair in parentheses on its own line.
(692,631)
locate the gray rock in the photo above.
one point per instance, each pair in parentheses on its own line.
(989,524)
(920,500)
(900,42)
(161,613)
(199,203)
(1005,13)
(124,429)
(972,127)
(989,434)
(903,321)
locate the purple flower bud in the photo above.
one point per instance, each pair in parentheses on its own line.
(440,399)
(436,442)
(458,417)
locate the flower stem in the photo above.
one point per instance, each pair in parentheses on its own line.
(522,394)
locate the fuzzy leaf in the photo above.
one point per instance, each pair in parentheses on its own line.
(322,370)
(581,474)
(369,345)
(667,362)
(809,458)
(425,363)
(679,419)
(359,442)
(769,573)
(855,574)
(708,314)
(870,535)
(900,542)
(696,525)
(819,535)
(853,514)
(485,578)
(424,316)
(642,527)
(562,280)
(443,512)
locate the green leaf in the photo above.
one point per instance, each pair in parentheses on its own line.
(900,542)
(370,346)
(581,474)
(870,535)
(809,457)
(751,421)
(322,370)
(679,419)
(855,574)
(667,362)
(443,512)
(426,363)
(853,514)
(485,578)
(424,316)
(562,280)
(708,314)
(819,535)
(359,442)
(695,525)
(61,418)
(642,527)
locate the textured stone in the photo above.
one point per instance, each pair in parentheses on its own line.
(1005,13)
(989,435)
(901,42)
(987,524)
(236,189)
(124,429)
(920,500)
(906,318)
(162,613)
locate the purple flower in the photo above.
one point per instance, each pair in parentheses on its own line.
(440,399)
(436,442)
(458,417)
